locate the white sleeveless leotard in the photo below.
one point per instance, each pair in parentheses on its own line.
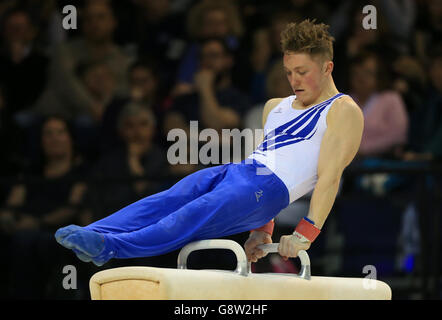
(292,140)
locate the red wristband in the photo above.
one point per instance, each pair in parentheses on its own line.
(307,230)
(268,228)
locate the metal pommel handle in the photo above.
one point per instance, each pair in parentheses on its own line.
(304,273)
(241,267)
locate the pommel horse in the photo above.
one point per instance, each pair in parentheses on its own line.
(149,283)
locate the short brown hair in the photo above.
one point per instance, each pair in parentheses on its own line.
(308,37)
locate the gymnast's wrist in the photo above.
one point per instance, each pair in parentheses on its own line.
(306,231)
(267,228)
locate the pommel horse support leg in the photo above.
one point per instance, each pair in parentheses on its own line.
(148,283)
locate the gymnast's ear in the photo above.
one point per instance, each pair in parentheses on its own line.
(327,67)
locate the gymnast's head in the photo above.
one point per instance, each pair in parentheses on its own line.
(308,58)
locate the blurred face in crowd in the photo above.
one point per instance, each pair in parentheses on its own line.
(436,73)
(18,28)
(213,56)
(56,139)
(307,75)
(138,128)
(215,24)
(99,80)
(143,83)
(363,77)
(99,22)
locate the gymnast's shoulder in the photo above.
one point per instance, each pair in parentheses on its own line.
(269,106)
(345,109)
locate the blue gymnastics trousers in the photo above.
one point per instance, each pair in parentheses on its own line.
(210,203)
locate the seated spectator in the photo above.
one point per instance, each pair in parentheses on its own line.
(65,93)
(385,116)
(49,197)
(146,88)
(45,206)
(425,138)
(139,156)
(23,68)
(207,19)
(100,84)
(214,102)
(48,20)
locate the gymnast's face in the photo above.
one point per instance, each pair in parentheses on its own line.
(307,75)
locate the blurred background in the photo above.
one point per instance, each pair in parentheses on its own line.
(84,117)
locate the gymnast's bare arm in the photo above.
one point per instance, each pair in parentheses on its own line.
(339,146)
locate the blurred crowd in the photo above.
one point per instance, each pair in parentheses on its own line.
(83,110)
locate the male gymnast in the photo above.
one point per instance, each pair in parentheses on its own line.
(309,139)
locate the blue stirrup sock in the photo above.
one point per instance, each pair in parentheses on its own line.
(87,245)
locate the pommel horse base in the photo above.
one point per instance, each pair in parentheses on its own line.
(148,283)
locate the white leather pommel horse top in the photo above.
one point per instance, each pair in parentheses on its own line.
(148,283)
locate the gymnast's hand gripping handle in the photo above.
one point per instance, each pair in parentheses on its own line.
(241,267)
(305,272)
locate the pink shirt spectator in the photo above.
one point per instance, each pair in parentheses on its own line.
(385,124)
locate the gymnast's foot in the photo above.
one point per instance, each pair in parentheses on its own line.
(87,245)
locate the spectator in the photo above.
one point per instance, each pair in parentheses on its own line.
(65,93)
(215,103)
(46,206)
(146,88)
(138,157)
(207,19)
(385,116)
(48,20)
(23,68)
(50,197)
(100,84)
(426,121)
